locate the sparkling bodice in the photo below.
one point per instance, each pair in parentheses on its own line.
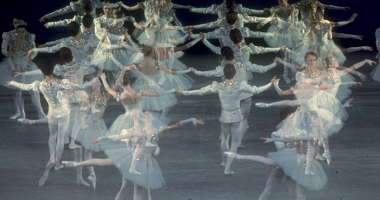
(320,34)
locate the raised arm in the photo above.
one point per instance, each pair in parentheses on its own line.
(213,88)
(218,72)
(281,92)
(25,87)
(336,116)
(291,66)
(67,9)
(188,45)
(5,43)
(136,7)
(248,11)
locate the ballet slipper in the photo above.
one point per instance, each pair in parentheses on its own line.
(92,179)
(82,182)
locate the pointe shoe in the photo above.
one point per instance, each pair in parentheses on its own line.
(233,155)
(70,163)
(327,156)
(92,179)
(58,167)
(82,182)
(319,157)
(241,146)
(15,116)
(41,115)
(74,146)
(22,115)
(228,172)
(41,182)
(133,171)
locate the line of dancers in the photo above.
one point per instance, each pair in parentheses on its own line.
(101,61)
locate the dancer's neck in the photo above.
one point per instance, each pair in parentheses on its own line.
(229,81)
(49,78)
(231,61)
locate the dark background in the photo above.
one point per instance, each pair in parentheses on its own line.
(32,10)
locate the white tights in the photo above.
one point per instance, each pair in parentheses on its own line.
(57,128)
(245,106)
(19,101)
(227,128)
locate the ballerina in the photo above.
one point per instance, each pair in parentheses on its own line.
(59,113)
(293,161)
(229,94)
(17,62)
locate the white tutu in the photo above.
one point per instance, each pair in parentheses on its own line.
(158,36)
(329,102)
(167,81)
(121,55)
(5,73)
(293,165)
(279,36)
(93,127)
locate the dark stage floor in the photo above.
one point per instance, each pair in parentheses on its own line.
(190,157)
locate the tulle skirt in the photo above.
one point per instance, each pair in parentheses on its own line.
(375,74)
(93,130)
(121,55)
(155,36)
(302,121)
(278,37)
(329,102)
(294,165)
(151,175)
(167,81)
(5,74)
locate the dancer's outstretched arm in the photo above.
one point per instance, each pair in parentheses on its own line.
(291,66)
(281,92)
(135,7)
(218,72)
(260,50)
(260,68)
(344,35)
(213,88)
(64,22)
(244,87)
(278,104)
(358,65)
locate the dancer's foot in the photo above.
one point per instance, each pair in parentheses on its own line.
(70,163)
(74,146)
(228,172)
(22,115)
(223,164)
(327,156)
(58,167)
(133,171)
(25,121)
(233,155)
(45,176)
(41,114)
(92,179)
(15,116)
(82,182)
(241,146)
(319,157)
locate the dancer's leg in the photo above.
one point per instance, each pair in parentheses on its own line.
(146,194)
(20,103)
(245,106)
(224,143)
(53,129)
(122,194)
(235,135)
(18,112)
(301,193)
(165,111)
(137,192)
(274,178)
(260,159)
(92,176)
(35,97)
(326,154)
(309,157)
(292,188)
(78,158)
(63,125)
(77,122)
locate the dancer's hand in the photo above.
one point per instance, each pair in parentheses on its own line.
(266,11)
(274,80)
(28,53)
(198,121)
(119,3)
(179,91)
(13,73)
(358,37)
(46,25)
(190,8)
(42,19)
(100,75)
(8,83)
(354,16)
(283,48)
(192,69)
(202,35)
(277,60)
(363,77)
(347,8)
(358,83)
(259,26)
(368,48)
(370,62)
(347,104)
